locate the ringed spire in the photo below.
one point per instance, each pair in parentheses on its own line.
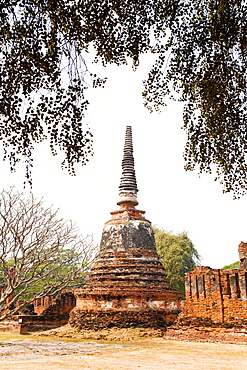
(128,186)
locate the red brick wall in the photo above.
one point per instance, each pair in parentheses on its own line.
(218,295)
(42,322)
(242,251)
(55,305)
(122,318)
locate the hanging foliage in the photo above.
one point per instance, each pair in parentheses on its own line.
(201,48)
(43,72)
(204,62)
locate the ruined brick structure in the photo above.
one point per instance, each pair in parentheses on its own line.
(46,313)
(215,296)
(59,305)
(242,251)
(127,285)
(50,305)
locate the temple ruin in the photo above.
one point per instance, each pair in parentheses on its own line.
(216,296)
(127,285)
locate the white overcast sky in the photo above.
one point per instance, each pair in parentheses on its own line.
(173,199)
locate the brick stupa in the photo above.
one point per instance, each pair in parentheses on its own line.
(127,285)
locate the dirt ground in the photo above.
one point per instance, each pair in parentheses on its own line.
(130,350)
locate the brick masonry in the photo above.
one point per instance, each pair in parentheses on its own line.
(41,322)
(127,284)
(44,313)
(59,305)
(122,318)
(127,287)
(215,296)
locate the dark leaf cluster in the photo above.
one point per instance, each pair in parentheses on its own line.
(205,61)
(43,73)
(201,48)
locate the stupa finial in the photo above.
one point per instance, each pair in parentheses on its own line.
(128,186)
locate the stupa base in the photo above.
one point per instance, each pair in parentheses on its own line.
(122,318)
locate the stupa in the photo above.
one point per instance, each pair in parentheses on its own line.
(127,285)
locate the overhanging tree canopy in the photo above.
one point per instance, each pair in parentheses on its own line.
(205,62)
(201,51)
(43,73)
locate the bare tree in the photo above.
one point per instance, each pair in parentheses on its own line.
(40,254)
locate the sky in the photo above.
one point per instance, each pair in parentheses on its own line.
(173,199)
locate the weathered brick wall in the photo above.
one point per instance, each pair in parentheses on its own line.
(48,312)
(214,295)
(60,304)
(10,324)
(242,251)
(42,322)
(98,319)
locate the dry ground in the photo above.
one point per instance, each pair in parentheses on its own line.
(129,350)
